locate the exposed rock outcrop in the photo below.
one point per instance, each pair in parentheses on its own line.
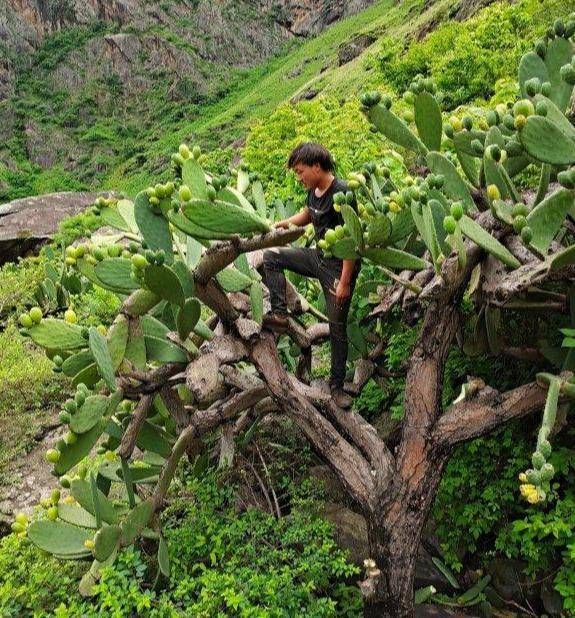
(27,223)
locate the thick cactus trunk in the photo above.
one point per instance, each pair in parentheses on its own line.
(395,537)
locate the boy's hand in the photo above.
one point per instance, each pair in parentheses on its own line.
(342,293)
(281,225)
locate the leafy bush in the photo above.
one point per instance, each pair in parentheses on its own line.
(325,120)
(222,563)
(466,59)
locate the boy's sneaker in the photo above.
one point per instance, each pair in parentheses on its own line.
(340,397)
(275,322)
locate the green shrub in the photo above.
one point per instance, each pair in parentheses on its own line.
(28,392)
(466,59)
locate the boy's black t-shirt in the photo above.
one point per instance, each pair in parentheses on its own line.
(323,216)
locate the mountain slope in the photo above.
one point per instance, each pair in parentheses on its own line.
(84,85)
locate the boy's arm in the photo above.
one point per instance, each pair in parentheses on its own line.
(301,218)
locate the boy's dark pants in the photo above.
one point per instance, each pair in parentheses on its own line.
(309,263)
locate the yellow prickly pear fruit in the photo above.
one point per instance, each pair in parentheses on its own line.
(70,316)
(89,544)
(493,193)
(184,151)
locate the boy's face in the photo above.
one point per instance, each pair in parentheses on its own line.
(309,175)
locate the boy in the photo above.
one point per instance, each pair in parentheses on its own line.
(314,167)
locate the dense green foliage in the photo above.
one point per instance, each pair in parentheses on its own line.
(248,564)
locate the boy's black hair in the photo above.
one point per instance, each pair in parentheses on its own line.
(310,153)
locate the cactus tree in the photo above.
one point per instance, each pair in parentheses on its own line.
(161,377)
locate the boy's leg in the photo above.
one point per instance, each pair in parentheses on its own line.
(337,316)
(298,260)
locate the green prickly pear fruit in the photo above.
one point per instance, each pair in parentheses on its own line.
(538,460)
(21,518)
(339,232)
(547,472)
(98,254)
(457,211)
(184,151)
(386,101)
(524,107)
(533,477)
(520,209)
(25,320)
(514,149)
(533,86)
(52,513)
(509,122)
(71,406)
(526,234)
(17,528)
(477,146)
(492,118)
(565,179)
(545,448)
(65,481)
(448,130)
(467,122)
(65,417)
(349,197)
(150,192)
(185,193)
(196,152)
(546,89)
(519,223)
(133,247)
(71,438)
(52,455)
(70,261)
(126,254)
(559,27)
(82,471)
(541,49)
(330,237)
(36,315)
(493,152)
(160,257)
(55,496)
(569,29)
(61,444)
(177,159)
(71,252)
(101,450)
(567,73)
(211,193)
(139,261)
(322,244)
(449,224)
(409,97)
(80,398)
